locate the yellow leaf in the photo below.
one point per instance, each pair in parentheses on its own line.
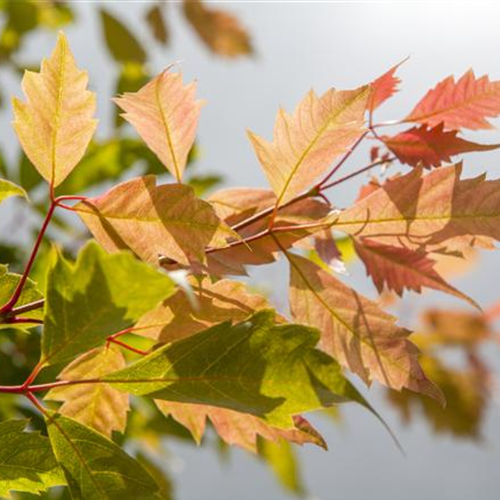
(55,123)
(99,406)
(306,143)
(165,114)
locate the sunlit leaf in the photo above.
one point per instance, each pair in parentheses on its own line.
(94,466)
(154,221)
(431,147)
(27,462)
(384,87)
(306,143)
(8,189)
(165,113)
(97,296)
(98,406)
(55,123)
(355,330)
(253,367)
(465,103)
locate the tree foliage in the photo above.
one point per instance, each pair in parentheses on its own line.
(152,308)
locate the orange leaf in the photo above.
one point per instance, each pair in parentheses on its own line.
(306,143)
(384,87)
(400,268)
(165,114)
(55,123)
(234,428)
(221,32)
(154,221)
(354,330)
(462,104)
(432,146)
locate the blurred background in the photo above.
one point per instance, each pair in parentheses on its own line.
(249,58)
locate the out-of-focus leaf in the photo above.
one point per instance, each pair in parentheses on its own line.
(55,123)
(121,43)
(95,467)
(306,143)
(165,113)
(467,395)
(159,475)
(8,189)
(97,296)
(98,406)
(256,367)
(221,32)
(283,461)
(203,183)
(27,462)
(55,14)
(155,17)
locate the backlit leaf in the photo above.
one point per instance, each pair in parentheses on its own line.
(384,87)
(177,317)
(432,211)
(253,367)
(431,147)
(355,330)
(221,32)
(55,123)
(95,467)
(98,406)
(234,428)
(462,104)
(306,143)
(27,462)
(399,268)
(165,113)
(154,221)
(97,296)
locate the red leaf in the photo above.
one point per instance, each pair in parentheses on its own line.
(431,146)
(400,268)
(384,87)
(462,104)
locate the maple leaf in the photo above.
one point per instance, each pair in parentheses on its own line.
(384,87)
(257,367)
(27,462)
(154,221)
(305,143)
(429,211)
(431,146)
(234,428)
(221,32)
(178,317)
(355,330)
(55,124)
(462,104)
(165,114)
(400,268)
(98,406)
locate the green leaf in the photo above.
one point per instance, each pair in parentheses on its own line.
(252,367)
(97,296)
(122,44)
(8,283)
(95,467)
(27,462)
(8,189)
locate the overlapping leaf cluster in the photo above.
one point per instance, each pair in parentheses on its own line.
(151,307)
